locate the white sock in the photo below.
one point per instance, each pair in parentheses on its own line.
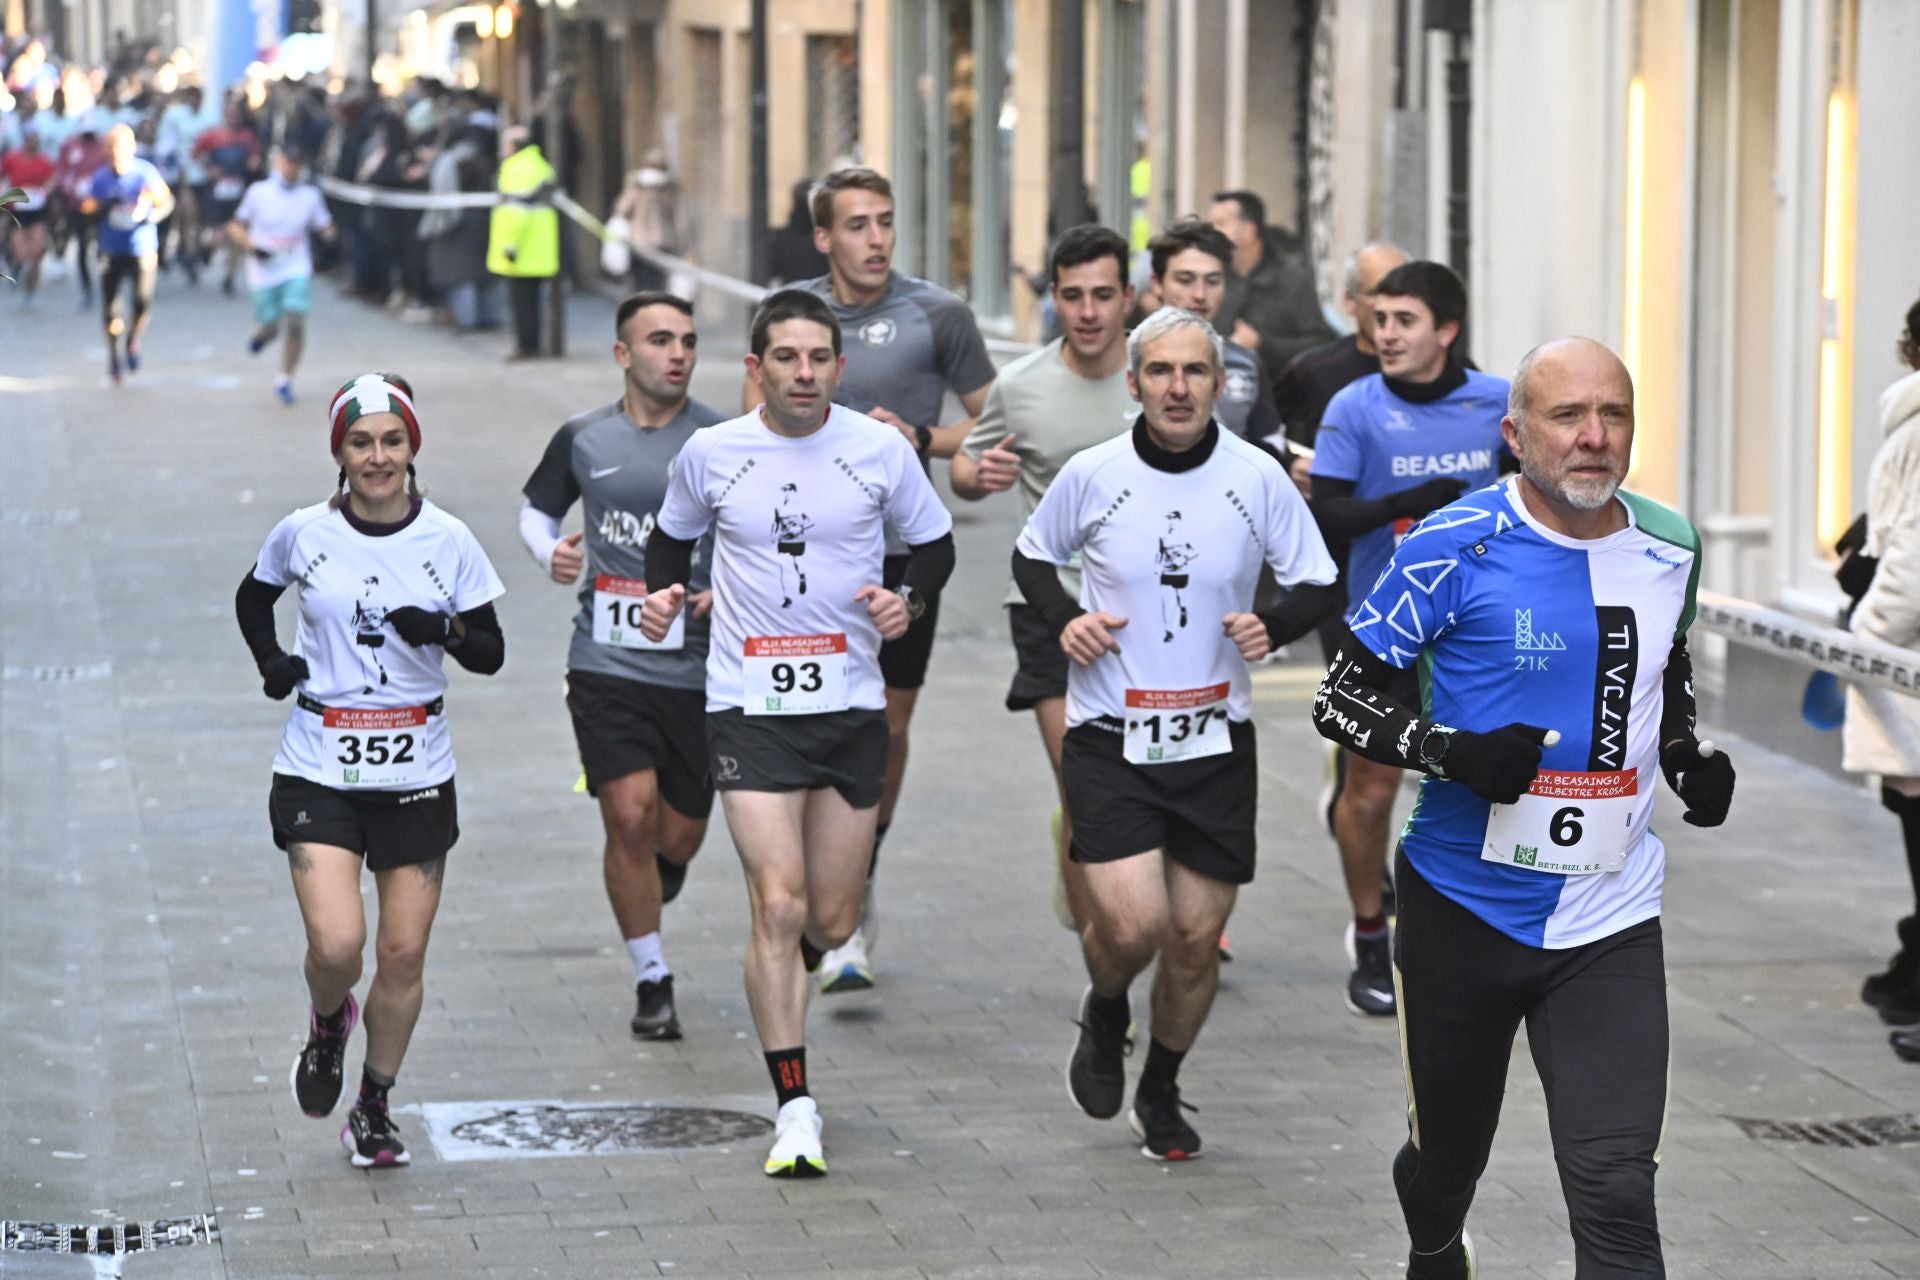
(649,961)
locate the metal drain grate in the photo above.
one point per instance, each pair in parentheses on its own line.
(121,1237)
(583,1130)
(1872,1131)
(59,675)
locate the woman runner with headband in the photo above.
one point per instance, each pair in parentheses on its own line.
(389,584)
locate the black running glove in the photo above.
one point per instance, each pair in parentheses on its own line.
(1429,496)
(281,674)
(1704,783)
(1498,766)
(420,627)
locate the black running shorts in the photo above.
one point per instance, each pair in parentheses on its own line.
(845,750)
(388,828)
(1040,670)
(624,726)
(1200,811)
(903,662)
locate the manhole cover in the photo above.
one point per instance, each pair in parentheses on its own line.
(1873,1131)
(119,1238)
(502,1131)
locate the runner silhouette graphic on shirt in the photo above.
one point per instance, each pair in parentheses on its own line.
(790,540)
(369,637)
(1173,556)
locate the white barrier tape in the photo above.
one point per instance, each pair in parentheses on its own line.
(1811,644)
(745,290)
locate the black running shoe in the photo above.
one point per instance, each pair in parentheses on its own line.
(317,1069)
(1164,1133)
(672,876)
(1097,1072)
(1370,986)
(653,1016)
(1906,1044)
(371,1140)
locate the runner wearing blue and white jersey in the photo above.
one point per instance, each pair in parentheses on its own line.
(1392,447)
(1547,617)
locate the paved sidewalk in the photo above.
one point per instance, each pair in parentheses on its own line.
(151,1000)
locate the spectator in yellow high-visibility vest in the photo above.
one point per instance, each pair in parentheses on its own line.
(523,243)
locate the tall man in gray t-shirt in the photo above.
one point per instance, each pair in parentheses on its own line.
(638,708)
(908,343)
(1042,409)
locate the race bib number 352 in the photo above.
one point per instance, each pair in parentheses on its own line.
(1164,725)
(616,615)
(795,675)
(385,749)
(1574,824)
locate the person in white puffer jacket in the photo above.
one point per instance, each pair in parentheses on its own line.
(1883,727)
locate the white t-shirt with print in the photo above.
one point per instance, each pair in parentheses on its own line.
(799,526)
(279,219)
(347,581)
(1173,553)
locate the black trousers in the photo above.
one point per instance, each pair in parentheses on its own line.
(523,298)
(1596,1019)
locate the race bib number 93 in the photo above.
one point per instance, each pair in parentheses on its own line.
(795,675)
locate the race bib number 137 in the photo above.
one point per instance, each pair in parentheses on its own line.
(1164,725)
(795,675)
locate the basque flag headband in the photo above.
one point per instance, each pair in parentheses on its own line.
(373,393)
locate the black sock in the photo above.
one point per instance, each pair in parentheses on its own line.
(788,1067)
(373,1090)
(1907,809)
(1369,926)
(810,955)
(879,836)
(1163,1067)
(1108,1014)
(332,1025)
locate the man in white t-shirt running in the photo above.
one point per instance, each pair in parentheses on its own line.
(1171,523)
(799,494)
(275,217)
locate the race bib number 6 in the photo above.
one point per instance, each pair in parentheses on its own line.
(1574,824)
(795,675)
(616,615)
(1165,725)
(383,749)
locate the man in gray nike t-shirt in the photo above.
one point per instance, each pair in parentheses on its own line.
(639,709)
(907,343)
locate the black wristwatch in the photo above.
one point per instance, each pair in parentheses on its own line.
(1433,749)
(922,445)
(915,602)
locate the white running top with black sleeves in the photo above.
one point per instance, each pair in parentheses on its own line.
(347,581)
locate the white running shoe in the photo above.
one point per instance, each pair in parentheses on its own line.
(796,1142)
(846,968)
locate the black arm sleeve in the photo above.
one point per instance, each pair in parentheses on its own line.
(1302,609)
(1677,709)
(1353,709)
(1342,515)
(253,607)
(669,560)
(929,565)
(1039,582)
(484,650)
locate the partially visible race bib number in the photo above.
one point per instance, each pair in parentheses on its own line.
(616,615)
(384,749)
(795,675)
(1574,824)
(229,188)
(1165,725)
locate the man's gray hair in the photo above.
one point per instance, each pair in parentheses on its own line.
(1350,278)
(1165,321)
(1517,393)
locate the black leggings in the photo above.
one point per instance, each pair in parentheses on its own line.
(1596,1020)
(143,271)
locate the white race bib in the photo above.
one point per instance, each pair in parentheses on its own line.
(36,199)
(1164,725)
(125,217)
(616,615)
(384,749)
(795,675)
(229,188)
(1574,824)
